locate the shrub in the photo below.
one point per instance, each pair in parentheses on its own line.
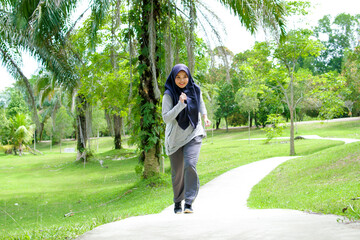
(275,126)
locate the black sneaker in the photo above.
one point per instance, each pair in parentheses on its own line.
(177,208)
(188,209)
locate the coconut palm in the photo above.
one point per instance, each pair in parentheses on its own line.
(22,132)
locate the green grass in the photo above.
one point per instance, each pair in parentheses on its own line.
(324,182)
(36,192)
(330,129)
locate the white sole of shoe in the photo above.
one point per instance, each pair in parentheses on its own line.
(188,211)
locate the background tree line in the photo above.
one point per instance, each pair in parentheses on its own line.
(105,76)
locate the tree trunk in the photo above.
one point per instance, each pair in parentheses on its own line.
(177,44)
(256,120)
(41,131)
(117,131)
(148,90)
(291,109)
(226,123)
(251,120)
(81,127)
(218,123)
(249,126)
(292,144)
(190,41)
(109,123)
(60,142)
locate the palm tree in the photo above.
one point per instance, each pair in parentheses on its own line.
(40,27)
(252,13)
(22,132)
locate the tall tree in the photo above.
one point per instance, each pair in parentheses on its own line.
(296,45)
(351,71)
(337,34)
(225,102)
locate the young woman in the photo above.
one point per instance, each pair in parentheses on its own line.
(182,108)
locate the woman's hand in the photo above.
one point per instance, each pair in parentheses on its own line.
(207,121)
(182,97)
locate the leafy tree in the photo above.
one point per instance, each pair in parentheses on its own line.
(250,70)
(339,34)
(351,71)
(296,45)
(49,129)
(16,103)
(98,121)
(4,127)
(330,89)
(225,102)
(247,100)
(63,125)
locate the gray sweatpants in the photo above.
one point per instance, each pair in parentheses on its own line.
(185,180)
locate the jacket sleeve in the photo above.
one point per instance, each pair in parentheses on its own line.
(202,109)
(170,112)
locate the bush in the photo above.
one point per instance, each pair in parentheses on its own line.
(7,148)
(275,126)
(237,119)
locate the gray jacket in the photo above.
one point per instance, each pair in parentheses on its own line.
(175,136)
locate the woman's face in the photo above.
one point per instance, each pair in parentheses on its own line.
(181,79)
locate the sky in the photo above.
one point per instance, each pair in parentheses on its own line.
(237,39)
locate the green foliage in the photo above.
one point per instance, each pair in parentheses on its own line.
(98,121)
(238,119)
(330,89)
(48,127)
(139,169)
(351,71)
(150,120)
(153,128)
(225,101)
(4,127)
(63,124)
(275,127)
(255,92)
(268,12)
(21,132)
(298,44)
(16,103)
(340,33)
(297,8)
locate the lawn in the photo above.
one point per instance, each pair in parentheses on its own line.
(51,196)
(325,182)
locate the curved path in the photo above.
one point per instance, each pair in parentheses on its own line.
(221,213)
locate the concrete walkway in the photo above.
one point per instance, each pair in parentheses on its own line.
(220,212)
(345,140)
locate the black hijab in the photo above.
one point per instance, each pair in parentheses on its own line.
(190,115)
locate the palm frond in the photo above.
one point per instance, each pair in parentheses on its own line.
(99,9)
(255,13)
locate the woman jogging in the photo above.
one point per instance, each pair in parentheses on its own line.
(182,108)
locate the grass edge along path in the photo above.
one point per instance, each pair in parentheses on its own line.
(326,182)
